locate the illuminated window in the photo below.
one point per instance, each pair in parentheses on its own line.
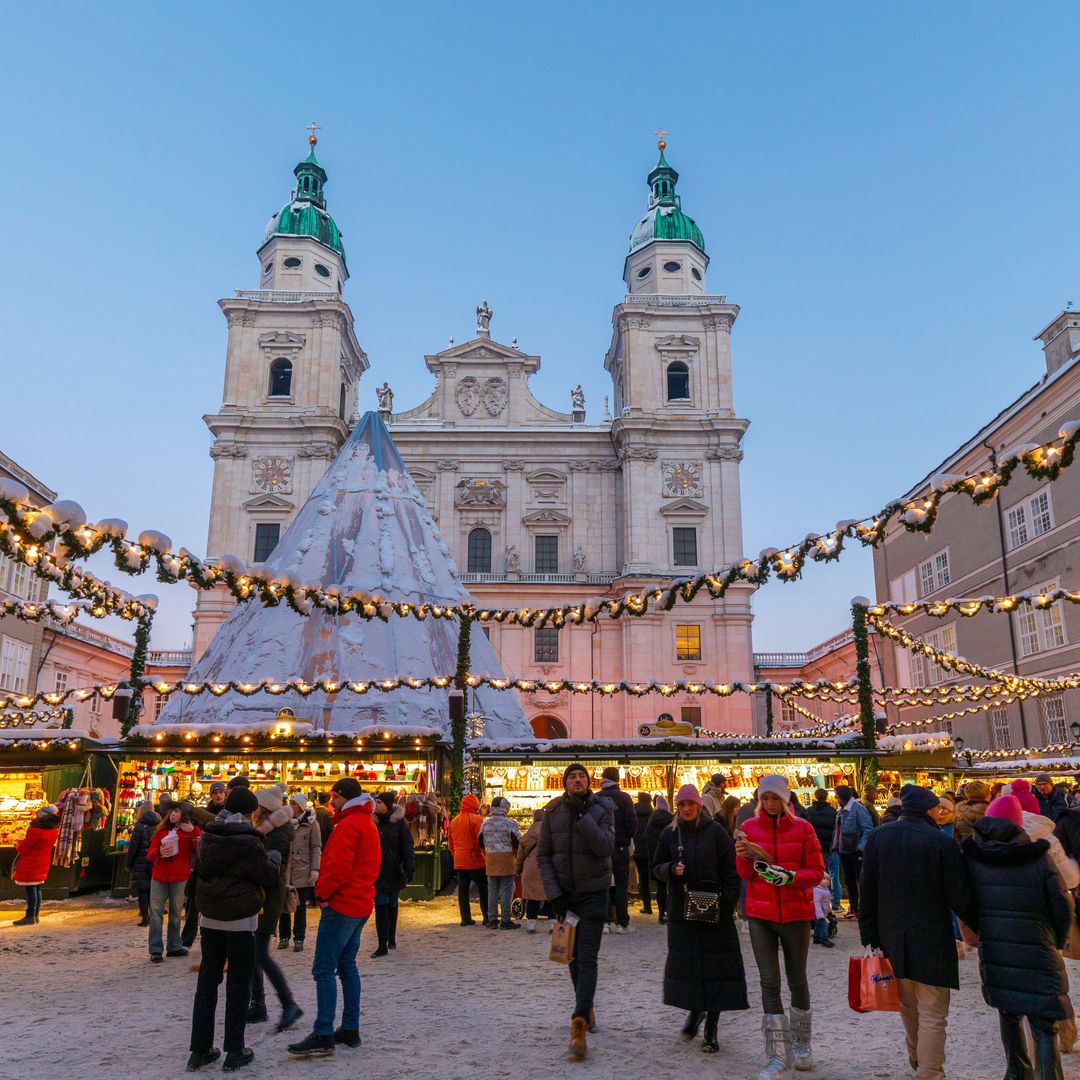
(687,641)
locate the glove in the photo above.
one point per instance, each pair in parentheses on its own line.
(560,907)
(274,856)
(774,875)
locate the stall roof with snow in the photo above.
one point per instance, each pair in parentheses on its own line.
(364,528)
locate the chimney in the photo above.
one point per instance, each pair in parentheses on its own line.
(1060,339)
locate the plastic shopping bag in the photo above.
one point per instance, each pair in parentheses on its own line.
(562,939)
(871,983)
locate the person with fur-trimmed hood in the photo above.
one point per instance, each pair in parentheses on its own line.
(577,841)
(303,871)
(395,870)
(970,809)
(273,819)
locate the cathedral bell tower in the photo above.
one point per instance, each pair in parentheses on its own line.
(292,369)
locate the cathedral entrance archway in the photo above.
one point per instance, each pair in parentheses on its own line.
(548,727)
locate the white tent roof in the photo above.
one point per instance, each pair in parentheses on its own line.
(365,527)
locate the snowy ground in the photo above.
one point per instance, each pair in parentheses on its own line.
(77,993)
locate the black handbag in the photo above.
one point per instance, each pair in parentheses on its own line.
(702,905)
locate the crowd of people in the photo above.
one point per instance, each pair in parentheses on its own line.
(926,877)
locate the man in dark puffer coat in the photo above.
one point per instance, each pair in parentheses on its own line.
(1024,919)
(233,870)
(139,865)
(913,879)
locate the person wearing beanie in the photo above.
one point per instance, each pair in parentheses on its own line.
(1021,790)
(779,857)
(1025,916)
(1040,827)
(215,801)
(976,798)
(913,880)
(1052,798)
(704,972)
(396,869)
(240,780)
(659,820)
(853,826)
(302,872)
(643,810)
(345,891)
(233,870)
(574,854)
(274,820)
(622,806)
(499,838)
(822,816)
(463,838)
(713,795)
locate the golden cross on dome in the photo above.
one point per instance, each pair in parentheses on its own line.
(313,127)
(660,134)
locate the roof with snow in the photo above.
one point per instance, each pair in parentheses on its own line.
(365,527)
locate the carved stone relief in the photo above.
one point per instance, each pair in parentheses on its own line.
(467,396)
(228,450)
(318,450)
(479,491)
(638,453)
(724,453)
(494,395)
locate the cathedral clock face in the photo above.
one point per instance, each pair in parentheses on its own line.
(682,478)
(272,473)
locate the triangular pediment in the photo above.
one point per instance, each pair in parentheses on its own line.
(280,339)
(684,508)
(269,502)
(545,517)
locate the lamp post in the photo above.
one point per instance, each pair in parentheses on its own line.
(958,742)
(1074,730)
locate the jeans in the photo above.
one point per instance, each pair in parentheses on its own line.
(500,891)
(465,879)
(295,925)
(33,899)
(336,943)
(832,865)
(821,930)
(218,947)
(620,891)
(924,1009)
(852,864)
(173,892)
(266,965)
(642,864)
(766,938)
(592,910)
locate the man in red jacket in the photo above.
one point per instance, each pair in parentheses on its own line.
(346,894)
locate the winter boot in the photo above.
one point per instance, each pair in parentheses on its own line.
(777,1032)
(382,919)
(238,1059)
(800,1039)
(27,920)
(530,926)
(199,1058)
(692,1026)
(256,1013)
(1017,1059)
(578,1046)
(391,929)
(283,943)
(709,1044)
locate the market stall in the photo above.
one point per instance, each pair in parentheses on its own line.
(75,773)
(183,762)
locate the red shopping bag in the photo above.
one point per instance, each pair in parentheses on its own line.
(871,983)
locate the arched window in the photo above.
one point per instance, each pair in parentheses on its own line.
(678,382)
(548,727)
(281,378)
(479,551)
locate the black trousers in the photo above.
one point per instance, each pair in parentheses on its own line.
(661,898)
(144,904)
(266,964)
(642,864)
(218,947)
(190,928)
(852,864)
(295,925)
(620,891)
(592,910)
(535,908)
(465,878)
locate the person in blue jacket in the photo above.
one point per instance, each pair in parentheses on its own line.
(853,826)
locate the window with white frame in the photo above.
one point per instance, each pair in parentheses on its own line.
(1030,518)
(934,573)
(14,665)
(1040,629)
(159,704)
(60,682)
(95,705)
(1000,731)
(925,671)
(1052,714)
(789,716)
(15,578)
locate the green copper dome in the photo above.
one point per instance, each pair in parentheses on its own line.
(665,219)
(305,213)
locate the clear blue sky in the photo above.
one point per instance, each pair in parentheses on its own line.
(887,190)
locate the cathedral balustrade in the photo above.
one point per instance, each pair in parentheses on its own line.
(663,300)
(542,579)
(284,296)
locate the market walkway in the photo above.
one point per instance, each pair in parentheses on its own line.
(77,992)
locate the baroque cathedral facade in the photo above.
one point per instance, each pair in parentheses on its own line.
(538,507)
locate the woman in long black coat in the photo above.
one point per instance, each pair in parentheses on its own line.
(1024,919)
(395,871)
(661,818)
(704,970)
(137,862)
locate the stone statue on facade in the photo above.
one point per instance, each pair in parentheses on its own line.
(386,397)
(579,559)
(513,559)
(483,318)
(577,399)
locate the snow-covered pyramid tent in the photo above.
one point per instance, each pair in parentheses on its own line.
(365,527)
